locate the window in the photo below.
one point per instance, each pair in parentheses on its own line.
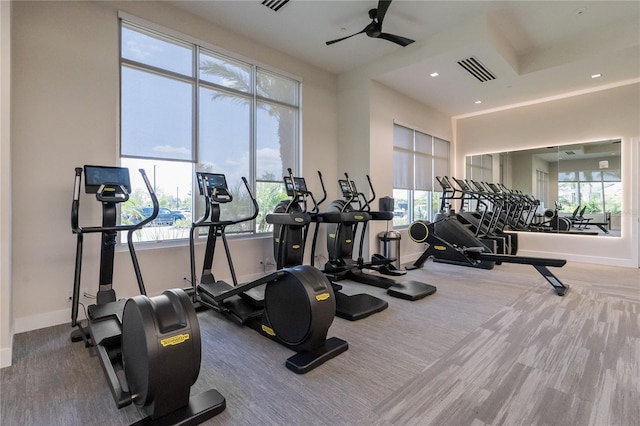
(542,186)
(417,159)
(480,168)
(598,190)
(185,107)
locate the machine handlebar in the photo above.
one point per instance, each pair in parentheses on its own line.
(75,205)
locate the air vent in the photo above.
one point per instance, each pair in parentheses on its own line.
(476,69)
(275,5)
(570,153)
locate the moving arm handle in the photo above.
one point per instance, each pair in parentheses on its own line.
(154,201)
(373,193)
(254,202)
(75,204)
(324,192)
(139,225)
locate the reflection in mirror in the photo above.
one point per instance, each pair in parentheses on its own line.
(573,189)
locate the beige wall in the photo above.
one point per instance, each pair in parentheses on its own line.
(64,115)
(388,106)
(606,114)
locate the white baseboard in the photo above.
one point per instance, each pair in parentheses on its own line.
(48,319)
(45,319)
(5,357)
(594,260)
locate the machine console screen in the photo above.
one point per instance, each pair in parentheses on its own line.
(213,181)
(96,176)
(345,188)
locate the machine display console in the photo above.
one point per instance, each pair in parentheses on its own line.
(212,181)
(345,188)
(96,176)
(299,185)
(216,185)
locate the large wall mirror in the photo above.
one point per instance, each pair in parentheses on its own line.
(567,189)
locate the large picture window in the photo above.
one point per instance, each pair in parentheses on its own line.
(417,159)
(480,167)
(597,191)
(185,107)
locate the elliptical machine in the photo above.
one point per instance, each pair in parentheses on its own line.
(291,220)
(294,306)
(149,347)
(340,243)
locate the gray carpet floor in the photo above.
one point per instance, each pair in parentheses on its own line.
(490,347)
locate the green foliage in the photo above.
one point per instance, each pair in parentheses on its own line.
(594,206)
(268,194)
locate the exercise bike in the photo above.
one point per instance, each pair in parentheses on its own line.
(149,347)
(293,306)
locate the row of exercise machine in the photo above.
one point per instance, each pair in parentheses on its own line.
(513,209)
(150,347)
(477,236)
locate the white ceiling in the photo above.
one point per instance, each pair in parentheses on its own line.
(536,49)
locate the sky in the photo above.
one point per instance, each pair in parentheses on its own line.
(157,120)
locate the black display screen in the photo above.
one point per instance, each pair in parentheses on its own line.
(345,188)
(301,184)
(289,186)
(212,181)
(96,176)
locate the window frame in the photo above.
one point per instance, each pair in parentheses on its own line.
(254,99)
(429,195)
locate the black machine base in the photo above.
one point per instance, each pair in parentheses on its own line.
(201,407)
(407,290)
(358,306)
(411,290)
(302,362)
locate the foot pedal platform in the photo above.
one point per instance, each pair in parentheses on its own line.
(411,290)
(303,362)
(358,306)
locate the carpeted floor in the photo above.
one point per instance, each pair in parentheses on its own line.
(490,347)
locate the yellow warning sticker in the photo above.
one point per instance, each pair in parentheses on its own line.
(322,296)
(268,330)
(174,340)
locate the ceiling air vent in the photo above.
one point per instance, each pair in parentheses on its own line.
(275,5)
(476,69)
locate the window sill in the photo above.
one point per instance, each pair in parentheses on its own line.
(184,242)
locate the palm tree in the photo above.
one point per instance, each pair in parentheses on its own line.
(268,86)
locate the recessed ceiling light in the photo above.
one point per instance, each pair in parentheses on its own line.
(478,102)
(434,74)
(596,75)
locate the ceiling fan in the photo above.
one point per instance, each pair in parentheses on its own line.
(374,29)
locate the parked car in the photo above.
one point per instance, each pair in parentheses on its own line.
(165,216)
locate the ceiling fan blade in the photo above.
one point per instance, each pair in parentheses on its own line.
(344,38)
(402,41)
(383,5)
